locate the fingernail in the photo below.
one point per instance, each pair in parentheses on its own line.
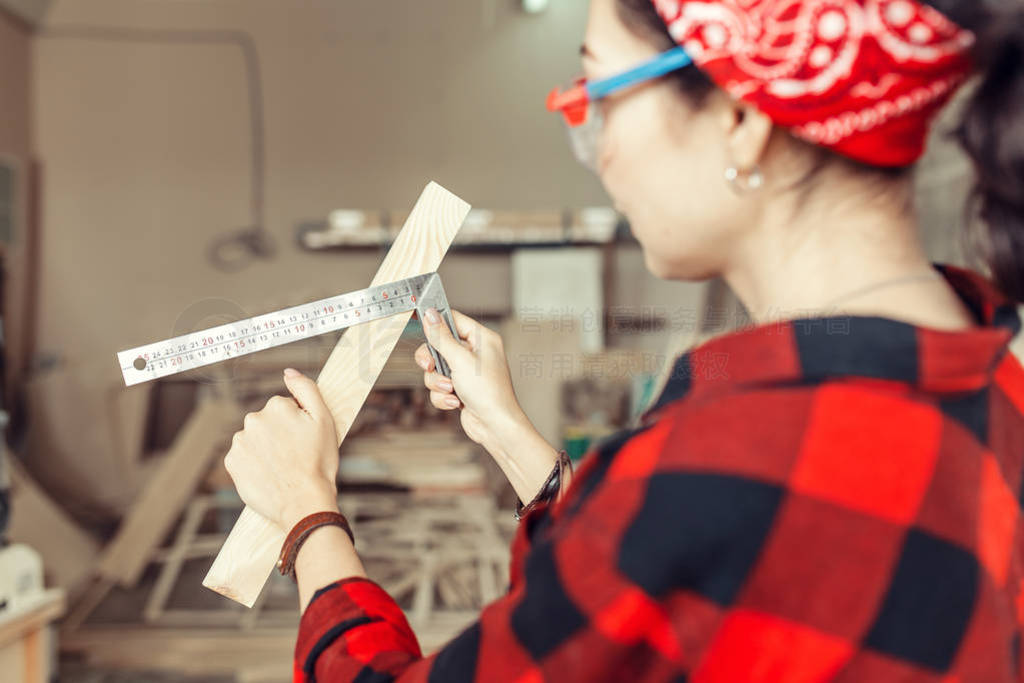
(422,363)
(291,372)
(445,385)
(432,317)
(452,402)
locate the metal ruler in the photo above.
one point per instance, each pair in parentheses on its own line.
(216,344)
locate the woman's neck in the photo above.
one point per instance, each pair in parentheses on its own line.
(795,262)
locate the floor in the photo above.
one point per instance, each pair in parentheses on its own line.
(76,673)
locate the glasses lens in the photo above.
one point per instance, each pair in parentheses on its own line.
(585,138)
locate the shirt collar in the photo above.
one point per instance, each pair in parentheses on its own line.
(809,350)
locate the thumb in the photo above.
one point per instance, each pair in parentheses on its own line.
(439,335)
(306,393)
(469,330)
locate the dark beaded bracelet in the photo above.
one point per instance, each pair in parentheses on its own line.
(551,487)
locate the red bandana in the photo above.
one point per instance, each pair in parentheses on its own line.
(863,77)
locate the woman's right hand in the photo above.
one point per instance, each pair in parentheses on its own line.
(481,383)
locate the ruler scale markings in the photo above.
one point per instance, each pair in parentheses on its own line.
(258,333)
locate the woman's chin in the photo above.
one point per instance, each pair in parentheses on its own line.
(657,266)
(681,270)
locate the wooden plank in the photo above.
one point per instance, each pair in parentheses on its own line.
(130,408)
(167,491)
(176,559)
(68,551)
(218,651)
(249,554)
(183,651)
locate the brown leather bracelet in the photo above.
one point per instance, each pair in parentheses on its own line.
(301,531)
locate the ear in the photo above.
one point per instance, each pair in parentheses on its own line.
(747,132)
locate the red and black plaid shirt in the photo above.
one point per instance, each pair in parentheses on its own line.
(820,499)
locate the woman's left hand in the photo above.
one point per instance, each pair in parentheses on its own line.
(285,459)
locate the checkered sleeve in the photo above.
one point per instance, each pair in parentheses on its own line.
(353,628)
(349,628)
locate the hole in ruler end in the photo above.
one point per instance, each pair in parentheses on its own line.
(140,363)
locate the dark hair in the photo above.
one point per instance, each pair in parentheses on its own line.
(991,130)
(643,19)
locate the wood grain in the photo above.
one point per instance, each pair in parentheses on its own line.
(251,549)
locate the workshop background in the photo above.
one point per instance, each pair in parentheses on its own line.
(169,165)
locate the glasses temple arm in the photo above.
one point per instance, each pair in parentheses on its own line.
(664,63)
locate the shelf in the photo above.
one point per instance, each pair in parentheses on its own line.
(483,229)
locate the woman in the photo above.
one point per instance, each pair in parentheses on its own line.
(831,494)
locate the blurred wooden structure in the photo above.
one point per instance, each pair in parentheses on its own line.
(442,556)
(27,610)
(26,640)
(68,551)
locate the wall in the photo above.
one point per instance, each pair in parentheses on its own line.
(146,146)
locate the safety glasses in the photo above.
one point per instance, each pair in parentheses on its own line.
(577,102)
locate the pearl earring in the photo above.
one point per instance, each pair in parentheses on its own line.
(744,181)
